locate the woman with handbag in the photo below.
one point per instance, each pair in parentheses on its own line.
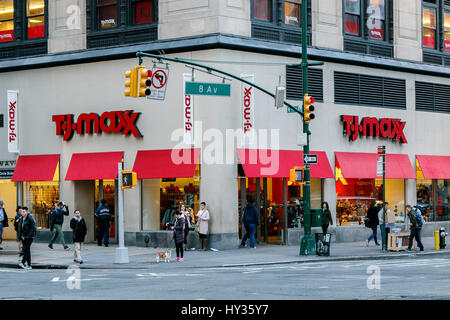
(202,225)
(187,217)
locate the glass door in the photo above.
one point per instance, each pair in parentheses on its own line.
(106,189)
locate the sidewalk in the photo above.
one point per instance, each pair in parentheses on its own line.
(95,257)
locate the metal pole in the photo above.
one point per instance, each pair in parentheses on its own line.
(258,206)
(121,251)
(285,212)
(307,242)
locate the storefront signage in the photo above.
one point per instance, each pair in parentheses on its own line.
(7,164)
(373,127)
(13,121)
(248,109)
(113,122)
(188,112)
(6,173)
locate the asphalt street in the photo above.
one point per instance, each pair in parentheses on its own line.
(411,278)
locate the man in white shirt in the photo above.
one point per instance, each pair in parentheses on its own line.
(384,228)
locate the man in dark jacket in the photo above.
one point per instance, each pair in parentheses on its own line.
(103,216)
(250,219)
(78,225)
(372,215)
(416,222)
(27,231)
(57,220)
(3,221)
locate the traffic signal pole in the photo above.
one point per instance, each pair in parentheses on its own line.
(307,242)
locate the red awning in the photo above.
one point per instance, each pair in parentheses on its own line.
(262,163)
(167,163)
(364,166)
(36,168)
(434,167)
(94,166)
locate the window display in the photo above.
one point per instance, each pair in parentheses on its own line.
(143,12)
(35,18)
(375,19)
(162,197)
(107,14)
(6,20)
(429,28)
(442,200)
(447,30)
(352,17)
(262,9)
(41,198)
(292,10)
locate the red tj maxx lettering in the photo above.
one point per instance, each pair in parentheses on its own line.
(114,121)
(373,127)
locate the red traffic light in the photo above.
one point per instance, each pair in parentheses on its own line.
(309,100)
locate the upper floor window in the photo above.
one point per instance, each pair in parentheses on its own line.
(143,11)
(365,18)
(6,20)
(35,19)
(279,20)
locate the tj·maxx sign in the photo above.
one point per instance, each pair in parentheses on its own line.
(114,122)
(373,127)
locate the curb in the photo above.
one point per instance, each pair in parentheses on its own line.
(316,260)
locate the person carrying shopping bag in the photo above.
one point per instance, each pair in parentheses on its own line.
(202,225)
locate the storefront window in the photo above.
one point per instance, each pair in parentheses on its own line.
(143,11)
(352,17)
(429,28)
(447,30)
(162,197)
(107,14)
(41,198)
(375,19)
(442,200)
(262,9)
(354,196)
(35,18)
(425,197)
(6,20)
(292,12)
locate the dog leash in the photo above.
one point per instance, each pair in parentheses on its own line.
(165,240)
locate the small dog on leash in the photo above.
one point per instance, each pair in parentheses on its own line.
(164,255)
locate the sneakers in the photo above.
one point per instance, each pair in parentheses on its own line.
(66,248)
(176,259)
(367,243)
(241,246)
(181,259)
(28,268)
(50,246)
(78,261)
(22,266)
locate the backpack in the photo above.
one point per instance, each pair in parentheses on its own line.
(419,218)
(412,215)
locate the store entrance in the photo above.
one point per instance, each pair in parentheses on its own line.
(8,194)
(106,189)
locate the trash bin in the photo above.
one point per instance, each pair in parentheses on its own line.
(323,241)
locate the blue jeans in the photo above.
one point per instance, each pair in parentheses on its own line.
(415,233)
(1,232)
(374,234)
(250,228)
(103,234)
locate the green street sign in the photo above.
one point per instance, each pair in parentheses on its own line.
(208,89)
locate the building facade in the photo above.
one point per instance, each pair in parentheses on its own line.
(66,123)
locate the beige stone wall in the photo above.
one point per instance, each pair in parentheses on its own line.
(186,18)
(67,25)
(327,24)
(408,29)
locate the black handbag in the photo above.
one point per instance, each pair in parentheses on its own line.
(366,223)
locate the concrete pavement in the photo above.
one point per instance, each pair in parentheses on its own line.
(95,257)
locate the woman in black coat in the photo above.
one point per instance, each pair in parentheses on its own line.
(326,217)
(372,215)
(178,235)
(78,225)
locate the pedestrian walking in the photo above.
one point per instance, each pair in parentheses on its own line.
(326,217)
(27,231)
(372,215)
(16,228)
(416,222)
(3,221)
(202,222)
(57,220)
(178,235)
(79,228)
(384,229)
(103,216)
(250,220)
(187,222)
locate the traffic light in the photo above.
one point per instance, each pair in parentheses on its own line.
(132,83)
(144,82)
(308,108)
(129,179)
(296,175)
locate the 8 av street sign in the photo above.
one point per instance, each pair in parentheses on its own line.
(208,89)
(309,158)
